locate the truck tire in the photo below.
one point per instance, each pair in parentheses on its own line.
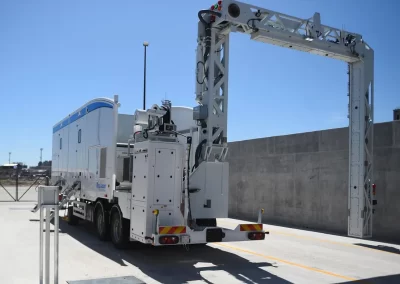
(101,221)
(72,220)
(119,228)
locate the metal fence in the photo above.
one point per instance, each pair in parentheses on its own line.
(21,188)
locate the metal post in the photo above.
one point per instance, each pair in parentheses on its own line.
(9,157)
(56,247)
(41,238)
(259,221)
(48,200)
(16,183)
(47,256)
(145,44)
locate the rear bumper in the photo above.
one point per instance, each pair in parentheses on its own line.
(210,235)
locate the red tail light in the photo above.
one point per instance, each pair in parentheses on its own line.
(168,240)
(60,197)
(256,236)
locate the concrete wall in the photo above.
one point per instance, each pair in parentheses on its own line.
(301,180)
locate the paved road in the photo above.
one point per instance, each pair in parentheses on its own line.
(286,256)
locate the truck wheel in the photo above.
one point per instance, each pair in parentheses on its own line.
(72,220)
(119,229)
(101,222)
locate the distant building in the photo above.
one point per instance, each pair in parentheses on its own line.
(12,166)
(8,170)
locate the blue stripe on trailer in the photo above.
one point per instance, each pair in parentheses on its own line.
(81,113)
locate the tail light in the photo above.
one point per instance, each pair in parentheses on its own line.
(60,197)
(168,240)
(256,236)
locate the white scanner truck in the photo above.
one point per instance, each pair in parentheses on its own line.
(139,177)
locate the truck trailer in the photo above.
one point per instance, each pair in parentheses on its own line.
(139,177)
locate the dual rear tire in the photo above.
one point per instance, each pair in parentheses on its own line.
(119,228)
(111,225)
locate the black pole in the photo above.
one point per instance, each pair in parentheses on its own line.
(144,77)
(16,183)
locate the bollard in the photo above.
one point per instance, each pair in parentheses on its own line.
(260,212)
(47,201)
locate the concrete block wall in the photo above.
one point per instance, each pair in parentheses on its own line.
(301,180)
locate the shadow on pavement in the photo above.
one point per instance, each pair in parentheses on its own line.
(389,279)
(380,247)
(175,264)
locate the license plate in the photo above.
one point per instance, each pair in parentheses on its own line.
(185,239)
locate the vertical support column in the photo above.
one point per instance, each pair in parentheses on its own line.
(47,244)
(212,83)
(48,200)
(56,246)
(210,89)
(224,68)
(16,183)
(200,64)
(361,147)
(216,96)
(41,236)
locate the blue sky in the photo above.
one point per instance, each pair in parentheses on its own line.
(57,55)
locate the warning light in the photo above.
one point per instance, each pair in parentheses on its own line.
(215,6)
(374,189)
(168,240)
(219,8)
(212,7)
(256,236)
(219,3)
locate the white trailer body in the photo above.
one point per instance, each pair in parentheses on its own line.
(84,147)
(90,145)
(105,170)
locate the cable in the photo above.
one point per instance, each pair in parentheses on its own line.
(197,154)
(210,12)
(189,140)
(253,27)
(134,134)
(207,30)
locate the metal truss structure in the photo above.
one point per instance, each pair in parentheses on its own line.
(307,35)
